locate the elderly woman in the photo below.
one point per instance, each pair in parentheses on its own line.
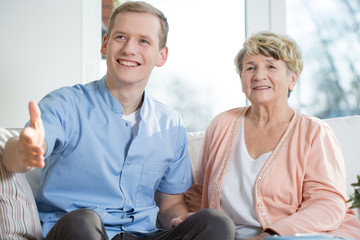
(270,168)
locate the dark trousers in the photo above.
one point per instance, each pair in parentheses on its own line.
(85,224)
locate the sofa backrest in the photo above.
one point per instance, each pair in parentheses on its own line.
(347,131)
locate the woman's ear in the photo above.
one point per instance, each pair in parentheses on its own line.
(293,79)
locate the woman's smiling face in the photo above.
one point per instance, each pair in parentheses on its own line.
(265,79)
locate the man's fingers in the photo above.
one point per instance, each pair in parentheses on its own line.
(175,222)
(36,163)
(29,157)
(35,114)
(32,156)
(32,150)
(27,135)
(178,220)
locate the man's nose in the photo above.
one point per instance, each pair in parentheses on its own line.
(129,48)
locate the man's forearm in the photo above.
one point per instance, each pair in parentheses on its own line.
(166,216)
(171,206)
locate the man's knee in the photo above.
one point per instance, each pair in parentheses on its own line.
(78,224)
(83,218)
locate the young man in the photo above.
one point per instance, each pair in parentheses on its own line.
(116,158)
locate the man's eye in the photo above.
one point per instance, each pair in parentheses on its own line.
(250,68)
(120,37)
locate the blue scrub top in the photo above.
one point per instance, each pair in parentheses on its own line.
(94,162)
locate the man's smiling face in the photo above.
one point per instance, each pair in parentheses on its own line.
(132,49)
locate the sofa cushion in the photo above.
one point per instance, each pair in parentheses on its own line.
(19,218)
(195,142)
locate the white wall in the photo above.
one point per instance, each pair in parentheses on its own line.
(45,44)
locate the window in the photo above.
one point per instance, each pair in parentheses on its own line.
(199,78)
(328,32)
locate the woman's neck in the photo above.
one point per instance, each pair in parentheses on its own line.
(262,116)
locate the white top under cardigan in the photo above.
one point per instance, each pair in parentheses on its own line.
(237,193)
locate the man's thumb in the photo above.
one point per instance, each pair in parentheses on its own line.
(35,114)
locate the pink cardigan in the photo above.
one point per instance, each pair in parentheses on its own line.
(301,187)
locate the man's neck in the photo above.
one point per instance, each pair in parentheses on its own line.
(129,96)
(130,107)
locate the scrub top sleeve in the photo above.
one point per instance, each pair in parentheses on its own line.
(178,177)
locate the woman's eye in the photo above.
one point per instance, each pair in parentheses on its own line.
(271,66)
(144,41)
(250,68)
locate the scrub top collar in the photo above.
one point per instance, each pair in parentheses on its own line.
(114,104)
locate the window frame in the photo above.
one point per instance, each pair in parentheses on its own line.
(270,16)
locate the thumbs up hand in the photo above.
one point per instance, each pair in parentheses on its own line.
(31,144)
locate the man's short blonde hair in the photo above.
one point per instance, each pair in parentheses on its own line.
(141,7)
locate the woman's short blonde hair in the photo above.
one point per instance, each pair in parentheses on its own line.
(278,46)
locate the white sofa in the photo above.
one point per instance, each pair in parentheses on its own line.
(347,130)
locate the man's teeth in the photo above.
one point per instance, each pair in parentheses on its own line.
(257,88)
(130,64)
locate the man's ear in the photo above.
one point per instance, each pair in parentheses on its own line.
(163,54)
(104,45)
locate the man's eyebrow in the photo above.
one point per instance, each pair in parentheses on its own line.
(141,36)
(146,37)
(117,32)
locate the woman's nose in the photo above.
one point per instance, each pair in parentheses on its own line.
(260,74)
